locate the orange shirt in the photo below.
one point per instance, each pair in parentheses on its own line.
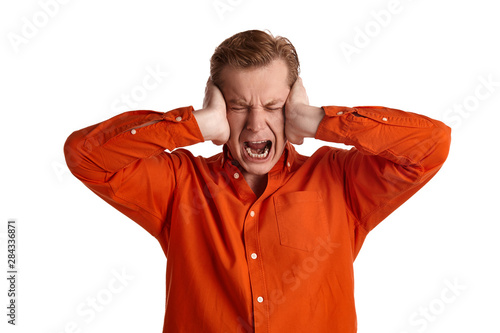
(282,262)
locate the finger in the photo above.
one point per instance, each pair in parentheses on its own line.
(207,85)
(295,139)
(298,83)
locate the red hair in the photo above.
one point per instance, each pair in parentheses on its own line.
(253,48)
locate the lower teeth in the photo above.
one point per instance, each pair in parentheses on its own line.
(263,155)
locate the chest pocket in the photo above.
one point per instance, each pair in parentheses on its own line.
(301,219)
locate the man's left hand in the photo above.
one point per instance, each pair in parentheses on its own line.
(301,119)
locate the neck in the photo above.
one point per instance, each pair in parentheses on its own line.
(257,183)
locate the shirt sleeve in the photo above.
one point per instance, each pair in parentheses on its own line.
(123,161)
(395,153)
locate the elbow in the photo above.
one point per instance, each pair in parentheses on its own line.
(443,143)
(438,148)
(76,154)
(82,157)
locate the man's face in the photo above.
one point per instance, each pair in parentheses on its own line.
(255,99)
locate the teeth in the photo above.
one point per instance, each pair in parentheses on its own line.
(263,155)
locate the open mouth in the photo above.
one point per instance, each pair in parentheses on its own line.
(258,149)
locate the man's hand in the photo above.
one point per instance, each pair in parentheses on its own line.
(212,118)
(301,119)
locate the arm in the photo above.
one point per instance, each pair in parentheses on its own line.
(395,152)
(123,159)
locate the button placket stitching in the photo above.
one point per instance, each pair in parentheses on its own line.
(257,280)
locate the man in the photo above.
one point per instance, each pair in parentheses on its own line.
(259,238)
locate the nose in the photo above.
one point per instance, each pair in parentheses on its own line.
(256,120)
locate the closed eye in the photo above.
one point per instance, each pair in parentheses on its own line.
(274,108)
(238,109)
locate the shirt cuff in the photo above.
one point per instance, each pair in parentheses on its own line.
(334,127)
(183,126)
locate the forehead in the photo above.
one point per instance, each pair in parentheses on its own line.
(267,84)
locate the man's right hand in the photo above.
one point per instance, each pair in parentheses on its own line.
(212,118)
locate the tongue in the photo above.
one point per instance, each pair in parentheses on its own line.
(257,146)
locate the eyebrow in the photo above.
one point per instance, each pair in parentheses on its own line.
(274,102)
(238,101)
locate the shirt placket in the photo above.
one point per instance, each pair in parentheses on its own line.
(253,251)
(260,318)
(256,269)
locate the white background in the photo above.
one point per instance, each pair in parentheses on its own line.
(66,67)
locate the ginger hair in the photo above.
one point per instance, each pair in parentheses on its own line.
(253,48)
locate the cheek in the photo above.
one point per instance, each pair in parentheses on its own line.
(235,125)
(278,125)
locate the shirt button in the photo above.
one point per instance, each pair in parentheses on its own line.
(253,255)
(236,175)
(260,299)
(288,164)
(178,118)
(133,131)
(384,119)
(252,213)
(340,113)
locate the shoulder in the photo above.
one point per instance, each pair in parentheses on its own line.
(185,156)
(326,153)
(326,157)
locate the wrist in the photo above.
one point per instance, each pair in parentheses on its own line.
(213,125)
(312,117)
(203,119)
